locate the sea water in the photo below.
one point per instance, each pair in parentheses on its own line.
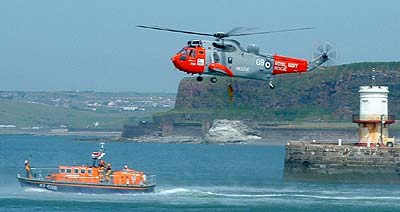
(190,177)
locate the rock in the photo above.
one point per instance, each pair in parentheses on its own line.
(230,131)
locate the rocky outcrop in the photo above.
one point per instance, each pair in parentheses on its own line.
(230,131)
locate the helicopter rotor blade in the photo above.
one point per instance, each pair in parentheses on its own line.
(274,31)
(174,30)
(239,29)
(319,48)
(236,29)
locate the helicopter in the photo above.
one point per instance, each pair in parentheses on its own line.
(226,57)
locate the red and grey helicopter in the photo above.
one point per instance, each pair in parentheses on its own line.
(227,57)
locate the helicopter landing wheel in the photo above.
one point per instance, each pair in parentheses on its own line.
(199,78)
(272,86)
(213,79)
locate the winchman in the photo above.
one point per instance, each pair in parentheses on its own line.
(230,92)
(28,169)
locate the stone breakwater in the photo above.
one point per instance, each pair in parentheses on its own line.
(345,163)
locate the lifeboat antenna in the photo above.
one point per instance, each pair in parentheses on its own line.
(373,76)
(102,146)
(102,153)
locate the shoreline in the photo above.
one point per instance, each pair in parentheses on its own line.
(327,133)
(70,133)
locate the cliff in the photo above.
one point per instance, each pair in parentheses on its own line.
(321,95)
(329,95)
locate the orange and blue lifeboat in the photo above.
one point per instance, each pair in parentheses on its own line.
(95,178)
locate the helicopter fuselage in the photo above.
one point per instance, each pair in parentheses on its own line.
(227,57)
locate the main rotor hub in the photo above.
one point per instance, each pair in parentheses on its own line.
(220,35)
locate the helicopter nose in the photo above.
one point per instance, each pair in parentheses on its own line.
(175,61)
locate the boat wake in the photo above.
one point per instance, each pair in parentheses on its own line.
(239,196)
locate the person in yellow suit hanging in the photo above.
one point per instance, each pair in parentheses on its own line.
(230,92)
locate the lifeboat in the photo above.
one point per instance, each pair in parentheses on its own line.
(99,177)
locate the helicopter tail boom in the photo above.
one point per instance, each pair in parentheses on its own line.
(317,62)
(288,65)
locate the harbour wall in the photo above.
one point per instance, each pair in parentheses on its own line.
(324,162)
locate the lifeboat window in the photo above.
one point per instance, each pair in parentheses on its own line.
(83,171)
(62,170)
(69,171)
(201,52)
(76,171)
(89,171)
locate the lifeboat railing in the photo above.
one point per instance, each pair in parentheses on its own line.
(150,180)
(41,173)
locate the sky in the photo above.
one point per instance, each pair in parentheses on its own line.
(53,45)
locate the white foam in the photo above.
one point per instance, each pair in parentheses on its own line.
(174,191)
(40,190)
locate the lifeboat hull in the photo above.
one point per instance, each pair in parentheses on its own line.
(84,187)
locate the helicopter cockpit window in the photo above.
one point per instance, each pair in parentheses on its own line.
(183,51)
(182,57)
(183,54)
(192,53)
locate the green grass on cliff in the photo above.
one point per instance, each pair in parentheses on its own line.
(27,115)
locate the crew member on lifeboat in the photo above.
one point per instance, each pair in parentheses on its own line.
(108,172)
(28,169)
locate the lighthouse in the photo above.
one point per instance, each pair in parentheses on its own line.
(374,158)
(373,120)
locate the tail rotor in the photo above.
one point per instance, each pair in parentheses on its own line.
(325,54)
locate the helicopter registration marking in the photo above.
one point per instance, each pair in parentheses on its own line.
(244,69)
(260,62)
